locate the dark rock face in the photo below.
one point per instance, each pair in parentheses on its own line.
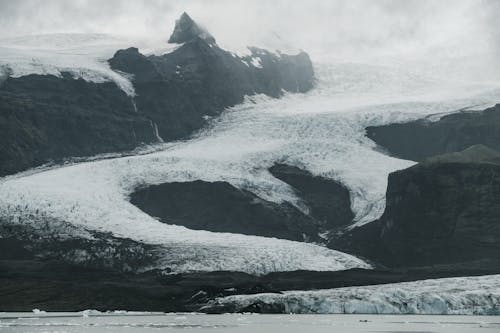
(420,139)
(186,29)
(329,201)
(180,89)
(45,118)
(444,211)
(220,207)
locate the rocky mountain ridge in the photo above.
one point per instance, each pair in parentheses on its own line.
(45,118)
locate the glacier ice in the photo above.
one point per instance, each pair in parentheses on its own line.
(321,131)
(79,54)
(457,296)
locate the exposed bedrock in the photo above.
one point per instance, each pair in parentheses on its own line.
(180,89)
(328,201)
(417,140)
(443,211)
(45,118)
(221,207)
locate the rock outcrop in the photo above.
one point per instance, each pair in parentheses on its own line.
(186,30)
(220,207)
(328,201)
(180,89)
(443,211)
(420,139)
(45,118)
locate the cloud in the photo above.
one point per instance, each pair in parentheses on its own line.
(341,29)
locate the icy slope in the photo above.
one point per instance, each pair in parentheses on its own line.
(322,131)
(93,196)
(82,55)
(464,296)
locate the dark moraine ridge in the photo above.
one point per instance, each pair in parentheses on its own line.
(420,139)
(28,283)
(443,211)
(221,207)
(45,118)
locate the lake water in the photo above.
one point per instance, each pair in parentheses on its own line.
(151,322)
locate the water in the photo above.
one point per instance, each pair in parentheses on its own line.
(150,322)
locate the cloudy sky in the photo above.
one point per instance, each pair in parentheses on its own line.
(325,28)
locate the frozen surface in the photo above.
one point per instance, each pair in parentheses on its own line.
(321,131)
(457,296)
(242,323)
(82,55)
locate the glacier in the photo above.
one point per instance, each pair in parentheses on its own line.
(449,296)
(321,131)
(82,55)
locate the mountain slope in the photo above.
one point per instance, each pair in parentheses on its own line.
(443,211)
(62,103)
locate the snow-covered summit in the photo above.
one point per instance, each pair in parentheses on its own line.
(186,29)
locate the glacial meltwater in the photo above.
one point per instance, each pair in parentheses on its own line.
(88,321)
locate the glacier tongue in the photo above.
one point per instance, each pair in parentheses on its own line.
(321,131)
(457,296)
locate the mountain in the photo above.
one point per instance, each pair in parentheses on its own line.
(441,212)
(82,111)
(423,138)
(186,30)
(220,181)
(219,204)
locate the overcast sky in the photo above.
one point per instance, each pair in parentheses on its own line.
(339,28)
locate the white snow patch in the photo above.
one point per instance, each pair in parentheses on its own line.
(256,62)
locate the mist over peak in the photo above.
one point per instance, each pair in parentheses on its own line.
(186,29)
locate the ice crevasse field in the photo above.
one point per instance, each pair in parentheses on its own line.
(321,131)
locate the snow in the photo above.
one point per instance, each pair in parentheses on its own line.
(321,131)
(256,62)
(82,55)
(154,127)
(456,296)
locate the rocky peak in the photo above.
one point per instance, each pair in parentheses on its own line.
(186,30)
